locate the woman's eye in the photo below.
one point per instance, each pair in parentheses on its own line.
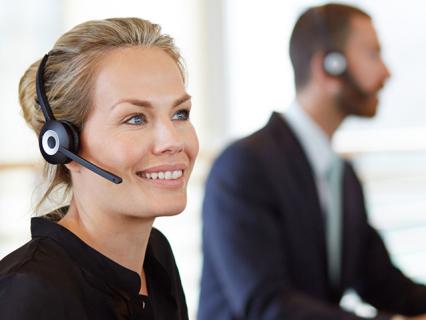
(181,115)
(137,119)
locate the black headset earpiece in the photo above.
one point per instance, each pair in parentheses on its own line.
(53,135)
(59,139)
(73,131)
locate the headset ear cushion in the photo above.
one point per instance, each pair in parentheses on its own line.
(74,135)
(335,63)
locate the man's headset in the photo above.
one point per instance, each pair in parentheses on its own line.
(335,62)
(59,139)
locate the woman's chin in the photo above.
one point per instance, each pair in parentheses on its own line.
(170,211)
(168,208)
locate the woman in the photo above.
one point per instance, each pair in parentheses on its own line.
(120,82)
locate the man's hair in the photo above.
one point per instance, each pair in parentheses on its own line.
(319,29)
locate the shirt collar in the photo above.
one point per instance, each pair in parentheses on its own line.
(99,268)
(313,139)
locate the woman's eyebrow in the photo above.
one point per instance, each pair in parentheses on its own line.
(185,98)
(147,104)
(136,102)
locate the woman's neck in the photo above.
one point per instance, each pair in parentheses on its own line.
(123,239)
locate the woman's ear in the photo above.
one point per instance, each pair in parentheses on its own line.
(73,166)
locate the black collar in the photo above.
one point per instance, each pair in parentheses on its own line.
(99,268)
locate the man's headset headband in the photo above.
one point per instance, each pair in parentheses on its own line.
(335,62)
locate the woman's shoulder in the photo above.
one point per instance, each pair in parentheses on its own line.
(36,255)
(24,285)
(37,265)
(20,258)
(28,295)
(22,295)
(32,282)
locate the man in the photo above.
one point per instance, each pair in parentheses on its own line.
(285,225)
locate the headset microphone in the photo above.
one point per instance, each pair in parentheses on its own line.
(59,139)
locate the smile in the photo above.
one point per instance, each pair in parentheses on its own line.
(161,175)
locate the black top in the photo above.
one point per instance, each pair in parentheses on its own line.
(58,276)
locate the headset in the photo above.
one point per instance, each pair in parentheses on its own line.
(335,62)
(59,139)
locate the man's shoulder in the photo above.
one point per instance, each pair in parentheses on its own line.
(276,123)
(258,146)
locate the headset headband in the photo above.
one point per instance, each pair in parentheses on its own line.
(41,94)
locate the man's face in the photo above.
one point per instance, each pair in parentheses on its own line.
(366,69)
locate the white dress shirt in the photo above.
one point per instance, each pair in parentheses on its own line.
(317,147)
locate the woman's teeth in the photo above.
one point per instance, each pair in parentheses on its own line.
(163,175)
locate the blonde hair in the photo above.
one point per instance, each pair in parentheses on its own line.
(69,74)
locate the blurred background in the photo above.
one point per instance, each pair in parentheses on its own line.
(239,71)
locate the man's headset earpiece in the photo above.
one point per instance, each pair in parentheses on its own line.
(335,63)
(58,139)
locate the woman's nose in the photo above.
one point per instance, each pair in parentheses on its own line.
(167,138)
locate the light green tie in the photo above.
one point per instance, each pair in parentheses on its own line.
(334,219)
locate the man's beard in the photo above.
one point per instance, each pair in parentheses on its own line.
(353,100)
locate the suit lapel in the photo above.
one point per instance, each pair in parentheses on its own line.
(353,208)
(300,173)
(294,175)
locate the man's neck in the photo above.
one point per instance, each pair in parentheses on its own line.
(322,110)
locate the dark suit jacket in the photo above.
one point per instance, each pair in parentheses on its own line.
(264,242)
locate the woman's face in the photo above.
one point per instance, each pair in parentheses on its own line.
(139,129)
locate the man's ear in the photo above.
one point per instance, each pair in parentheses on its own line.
(325,81)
